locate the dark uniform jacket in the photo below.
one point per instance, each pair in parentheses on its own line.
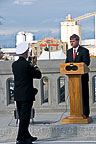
(24,73)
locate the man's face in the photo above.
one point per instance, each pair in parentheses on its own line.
(74,43)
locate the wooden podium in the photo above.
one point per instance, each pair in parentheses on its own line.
(74,72)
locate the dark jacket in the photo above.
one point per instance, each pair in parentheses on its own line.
(24,73)
(82,55)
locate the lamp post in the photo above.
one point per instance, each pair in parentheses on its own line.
(49,50)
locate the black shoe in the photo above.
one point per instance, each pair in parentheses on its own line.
(31,139)
(85,116)
(24,142)
(20,142)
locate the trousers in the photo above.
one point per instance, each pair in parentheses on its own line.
(24,112)
(85,96)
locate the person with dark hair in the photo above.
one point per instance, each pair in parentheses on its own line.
(79,54)
(24,92)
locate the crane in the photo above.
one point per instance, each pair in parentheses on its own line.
(68,18)
(70,26)
(85,16)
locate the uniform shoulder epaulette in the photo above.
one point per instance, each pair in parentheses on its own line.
(31,64)
(37,69)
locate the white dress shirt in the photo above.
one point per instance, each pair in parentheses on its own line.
(76,49)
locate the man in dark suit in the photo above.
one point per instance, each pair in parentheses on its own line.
(79,54)
(24,92)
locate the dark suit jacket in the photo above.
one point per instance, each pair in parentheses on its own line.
(82,55)
(24,73)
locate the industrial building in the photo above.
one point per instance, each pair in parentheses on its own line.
(38,46)
(50,42)
(22,36)
(70,26)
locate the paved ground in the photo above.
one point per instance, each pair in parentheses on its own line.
(43,120)
(62,140)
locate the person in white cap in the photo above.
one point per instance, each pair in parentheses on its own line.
(24,92)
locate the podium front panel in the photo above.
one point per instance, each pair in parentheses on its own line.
(73,68)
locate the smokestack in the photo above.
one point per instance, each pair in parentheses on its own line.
(95,30)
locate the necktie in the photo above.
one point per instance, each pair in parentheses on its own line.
(74,54)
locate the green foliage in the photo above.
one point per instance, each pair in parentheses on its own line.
(46,49)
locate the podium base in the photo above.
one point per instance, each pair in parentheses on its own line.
(76,120)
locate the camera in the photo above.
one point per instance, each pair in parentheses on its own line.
(30,58)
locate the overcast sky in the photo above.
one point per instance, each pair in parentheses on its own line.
(43,17)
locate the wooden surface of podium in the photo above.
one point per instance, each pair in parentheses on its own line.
(74,72)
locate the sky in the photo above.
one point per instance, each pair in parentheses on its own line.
(42,18)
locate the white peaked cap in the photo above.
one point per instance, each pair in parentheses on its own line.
(21,48)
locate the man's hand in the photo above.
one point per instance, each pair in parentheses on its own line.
(34,60)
